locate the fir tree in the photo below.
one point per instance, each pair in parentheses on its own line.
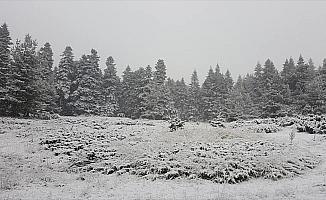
(272,98)
(302,75)
(65,80)
(5,70)
(194,98)
(24,88)
(288,74)
(145,91)
(160,72)
(87,98)
(228,81)
(126,102)
(179,94)
(158,102)
(111,85)
(209,100)
(46,85)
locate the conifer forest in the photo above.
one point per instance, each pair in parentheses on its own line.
(75,129)
(31,86)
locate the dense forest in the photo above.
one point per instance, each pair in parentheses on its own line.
(30,86)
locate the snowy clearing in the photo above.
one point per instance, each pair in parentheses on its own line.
(119,158)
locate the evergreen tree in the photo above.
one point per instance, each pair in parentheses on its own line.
(24,88)
(302,75)
(272,97)
(311,69)
(5,70)
(179,94)
(126,102)
(142,79)
(209,99)
(302,80)
(160,72)
(288,74)
(158,103)
(316,91)
(46,85)
(252,94)
(228,81)
(111,85)
(194,98)
(236,101)
(145,91)
(65,81)
(87,98)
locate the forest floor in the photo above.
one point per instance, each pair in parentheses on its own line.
(118,158)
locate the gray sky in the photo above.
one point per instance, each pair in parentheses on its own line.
(188,35)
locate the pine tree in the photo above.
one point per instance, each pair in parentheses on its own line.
(272,98)
(302,75)
(24,88)
(65,81)
(209,99)
(179,94)
(194,98)
(288,74)
(46,85)
(158,103)
(258,71)
(87,99)
(302,80)
(126,102)
(145,91)
(5,70)
(230,113)
(311,69)
(111,85)
(221,92)
(252,94)
(316,91)
(160,72)
(228,81)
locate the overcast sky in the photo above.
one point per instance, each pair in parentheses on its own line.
(188,35)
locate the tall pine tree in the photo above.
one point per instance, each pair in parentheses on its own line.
(5,70)
(111,85)
(65,81)
(87,99)
(24,88)
(46,83)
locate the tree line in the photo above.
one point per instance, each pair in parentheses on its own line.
(30,85)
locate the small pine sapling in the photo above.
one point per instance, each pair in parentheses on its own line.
(292,136)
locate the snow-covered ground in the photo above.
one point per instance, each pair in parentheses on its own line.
(117,158)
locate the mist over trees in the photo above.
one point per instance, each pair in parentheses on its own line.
(30,85)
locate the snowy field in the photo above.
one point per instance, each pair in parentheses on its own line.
(119,158)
